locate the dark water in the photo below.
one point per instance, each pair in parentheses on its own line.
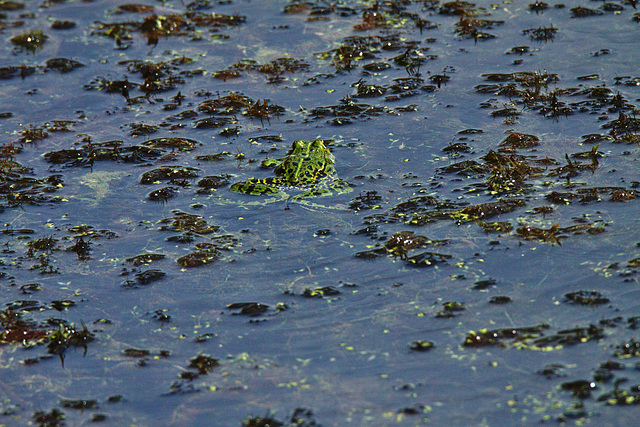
(319,314)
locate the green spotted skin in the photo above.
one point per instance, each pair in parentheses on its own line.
(309,166)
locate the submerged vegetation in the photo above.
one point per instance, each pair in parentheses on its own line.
(373,212)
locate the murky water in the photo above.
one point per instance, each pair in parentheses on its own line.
(482,269)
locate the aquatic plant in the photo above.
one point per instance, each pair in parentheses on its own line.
(31,40)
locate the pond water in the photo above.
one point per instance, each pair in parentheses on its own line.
(462,247)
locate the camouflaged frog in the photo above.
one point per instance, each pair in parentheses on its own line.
(308,167)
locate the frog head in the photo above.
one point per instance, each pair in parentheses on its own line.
(306,162)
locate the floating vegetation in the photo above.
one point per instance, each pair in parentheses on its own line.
(621,397)
(138,129)
(468,27)
(586,298)
(32,134)
(158,78)
(470,213)
(81,247)
(369,200)
(66,336)
(9,5)
(31,41)
(519,50)
(248,308)
(628,349)
(226,105)
(427,259)
(567,337)
(541,34)
(345,112)
(214,181)
(590,195)
(538,6)
(162,316)
(45,244)
(583,12)
(133,8)
(114,151)
(173,174)
(500,299)
(265,420)
(400,243)
(580,388)
(186,222)
(421,345)
(400,88)
(470,168)
(624,129)
(320,292)
(554,233)
(496,226)
(79,404)
(530,89)
(449,309)
(55,417)
(517,140)
(299,417)
(484,284)
(263,111)
(23,71)
(273,70)
(353,50)
(155,27)
(198,258)
(18,330)
(135,352)
(457,8)
(509,173)
(466,167)
(549,235)
(144,278)
(63,65)
(163,194)
(485,337)
(203,363)
(17,185)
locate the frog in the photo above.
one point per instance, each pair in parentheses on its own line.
(308,168)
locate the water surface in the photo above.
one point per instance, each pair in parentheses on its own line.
(484,269)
